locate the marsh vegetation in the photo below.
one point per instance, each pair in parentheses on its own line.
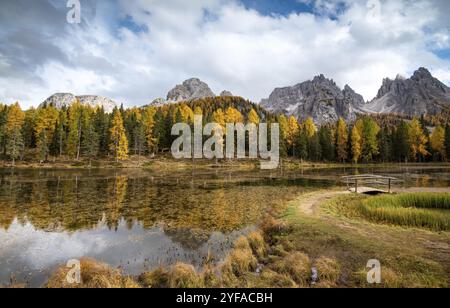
(427,210)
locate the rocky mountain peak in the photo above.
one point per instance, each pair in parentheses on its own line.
(226,93)
(417,95)
(421,73)
(348,89)
(190,89)
(319,98)
(64,100)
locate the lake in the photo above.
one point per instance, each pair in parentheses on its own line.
(138,220)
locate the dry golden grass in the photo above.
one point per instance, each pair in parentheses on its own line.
(271,226)
(13,286)
(184,276)
(275,280)
(242,261)
(158,278)
(257,244)
(93,275)
(241,243)
(389,279)
(239,262)
(211,277)
(297,265)
(328,270)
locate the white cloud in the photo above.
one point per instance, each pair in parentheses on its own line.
(237,49)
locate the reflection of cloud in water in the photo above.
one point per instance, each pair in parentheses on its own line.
(28,250)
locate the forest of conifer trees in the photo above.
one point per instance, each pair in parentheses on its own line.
(81,132)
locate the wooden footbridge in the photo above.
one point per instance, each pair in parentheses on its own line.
(370,183)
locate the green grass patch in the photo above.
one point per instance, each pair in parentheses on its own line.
(423,210)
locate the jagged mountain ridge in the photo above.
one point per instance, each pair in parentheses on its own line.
(319,98)
(61,100)
(420,94)
(325,102)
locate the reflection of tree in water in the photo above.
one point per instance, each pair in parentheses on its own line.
(7,215)
(73,203)
(116,190)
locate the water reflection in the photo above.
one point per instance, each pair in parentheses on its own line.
(132,219)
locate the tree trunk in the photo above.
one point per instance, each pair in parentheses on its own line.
(79,140)
(60,143)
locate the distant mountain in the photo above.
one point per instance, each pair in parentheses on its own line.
(226,93)
(325,102)
(190,89)
(60,100)
(158,102)
(319,98)
(418,95)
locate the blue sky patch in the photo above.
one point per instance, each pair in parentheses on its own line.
(278,7)
(443,53)
(130,24)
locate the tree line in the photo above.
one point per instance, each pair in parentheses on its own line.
(84,132)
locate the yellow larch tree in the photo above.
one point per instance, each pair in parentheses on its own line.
(119,141)
(292,133)
(418,140)
(309,127)
(356,144)
(341,140)
(253,117)
(148,119)
(437,141)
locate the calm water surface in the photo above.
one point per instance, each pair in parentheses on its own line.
(138,220)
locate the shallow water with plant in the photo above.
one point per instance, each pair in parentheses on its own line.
(139,219)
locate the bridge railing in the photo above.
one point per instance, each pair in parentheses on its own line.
(370,179)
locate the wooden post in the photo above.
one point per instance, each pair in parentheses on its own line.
(356,186)
(389,185)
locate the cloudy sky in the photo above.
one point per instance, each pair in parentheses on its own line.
(136,50)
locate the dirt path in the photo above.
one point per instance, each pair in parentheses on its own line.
(309,203)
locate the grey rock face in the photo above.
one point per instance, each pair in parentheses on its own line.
(420,94)
(319,98)
(192,88)
(158,102)
(60,100)
(98,101)
(226,93)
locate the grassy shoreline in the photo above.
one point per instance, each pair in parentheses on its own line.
(167,162)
